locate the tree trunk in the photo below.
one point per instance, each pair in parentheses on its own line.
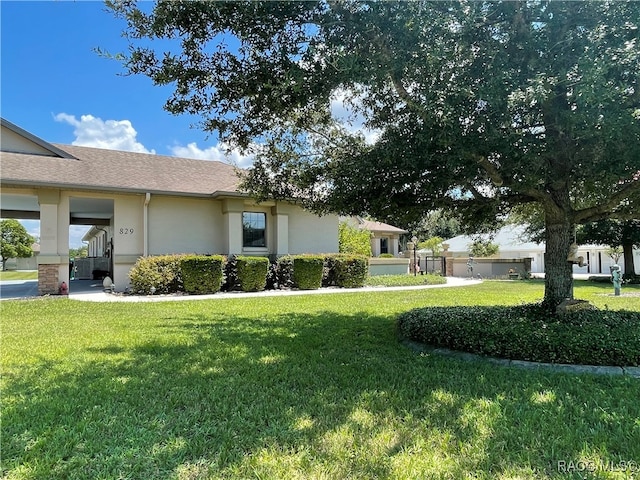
(629,267)
(558,284)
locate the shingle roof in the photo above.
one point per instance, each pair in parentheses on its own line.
(379,227)
(94,168)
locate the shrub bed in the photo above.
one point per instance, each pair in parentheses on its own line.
(307,271)
(345,271)
(282,272)
(252,273)
(162,273)
(202,274)
(528,332)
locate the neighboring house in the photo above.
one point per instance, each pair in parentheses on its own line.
(384,238)
(511,244)
(141,204)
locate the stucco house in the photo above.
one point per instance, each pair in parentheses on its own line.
(512,246)
(385,238)
(142,204)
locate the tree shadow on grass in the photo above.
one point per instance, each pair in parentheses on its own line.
(303,395)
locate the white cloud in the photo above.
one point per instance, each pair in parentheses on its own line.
(220,152)
(91,131)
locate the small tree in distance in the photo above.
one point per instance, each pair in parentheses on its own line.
(15,241)
(483,248)
(354,240)
(434,244)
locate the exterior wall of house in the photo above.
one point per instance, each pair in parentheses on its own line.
(309,233)
(128,236)
(393,243)
(12,142)
(185,225)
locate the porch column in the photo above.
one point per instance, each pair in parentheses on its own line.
(281,229)
(232,213)
(53,260)
(394,248)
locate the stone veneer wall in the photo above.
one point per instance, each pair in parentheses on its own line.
(48,279)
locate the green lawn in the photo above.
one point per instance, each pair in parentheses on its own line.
(308,387)
(19,275)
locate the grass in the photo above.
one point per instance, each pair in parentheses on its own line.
(404,280)
(19,275)
(311,387)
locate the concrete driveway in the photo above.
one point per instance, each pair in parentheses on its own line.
(18,289)
(14,289)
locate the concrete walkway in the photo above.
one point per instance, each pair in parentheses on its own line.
(101,296)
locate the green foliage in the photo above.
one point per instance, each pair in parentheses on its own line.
(346,271)
(282,272)
(158,274)
(510,82)
(483,248)
(202,274)
(386,255)
(434,244)
(307,271)
(252,273)
(79,252)
(436,223)
(529,332)
(353,240)
(15,242)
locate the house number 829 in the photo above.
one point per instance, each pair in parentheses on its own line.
(126,231)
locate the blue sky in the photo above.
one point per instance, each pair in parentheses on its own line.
(55,86)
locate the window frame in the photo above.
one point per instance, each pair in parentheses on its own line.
(248,243)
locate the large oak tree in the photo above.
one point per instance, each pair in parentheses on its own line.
(477,106)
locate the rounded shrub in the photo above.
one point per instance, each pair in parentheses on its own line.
(202,274)
(252,273)
(529,332)
(346,271)
(307,271)
(282,272)
(158,274)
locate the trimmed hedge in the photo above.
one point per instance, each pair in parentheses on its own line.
(252,273)
(202,274)
(307,271)
(205,274)
(282,272)
(528,332)
(162,272)
(345,270)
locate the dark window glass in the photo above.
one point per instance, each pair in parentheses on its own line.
(384,245)
(254,229)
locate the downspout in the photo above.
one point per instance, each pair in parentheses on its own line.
(145,221)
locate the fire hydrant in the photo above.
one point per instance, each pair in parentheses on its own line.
(616,278)
(64,289)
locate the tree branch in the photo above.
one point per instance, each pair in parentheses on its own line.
(602,210)
(491,170)
(405,96)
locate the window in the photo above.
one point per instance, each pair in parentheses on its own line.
(254,228)
(384,245)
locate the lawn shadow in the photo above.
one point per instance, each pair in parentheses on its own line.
(313,395)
